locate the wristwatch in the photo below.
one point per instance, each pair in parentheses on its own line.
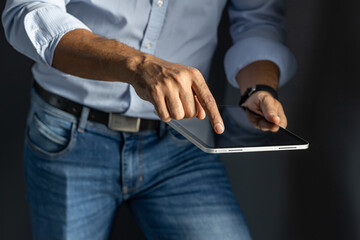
(257,88)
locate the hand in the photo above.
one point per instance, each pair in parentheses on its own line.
(176,91)
(264,104)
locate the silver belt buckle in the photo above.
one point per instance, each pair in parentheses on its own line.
(122,123)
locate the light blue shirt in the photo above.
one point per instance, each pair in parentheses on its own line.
(181,31)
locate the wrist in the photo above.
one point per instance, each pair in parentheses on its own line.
(126,64)
(134,63)
(258,73)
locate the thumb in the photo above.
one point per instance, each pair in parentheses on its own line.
(268,109)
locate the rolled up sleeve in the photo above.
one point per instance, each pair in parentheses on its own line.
(258,33)
(34,28)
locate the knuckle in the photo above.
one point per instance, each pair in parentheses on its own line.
(160,111)
(190,113)
(165,118)
(164,115)
(155,89)
(183,78)
(183,74)
(194,71)
(178,115)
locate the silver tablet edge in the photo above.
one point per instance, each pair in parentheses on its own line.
(237,150)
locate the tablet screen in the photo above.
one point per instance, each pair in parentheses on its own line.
(244,131)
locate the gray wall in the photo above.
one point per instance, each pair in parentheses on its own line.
(310,194)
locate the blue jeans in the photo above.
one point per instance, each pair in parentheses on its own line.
(78,172)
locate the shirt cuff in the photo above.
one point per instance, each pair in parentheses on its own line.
(46,26)
(254,49)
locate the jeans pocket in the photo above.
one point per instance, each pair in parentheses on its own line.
(176,136)
(49,135)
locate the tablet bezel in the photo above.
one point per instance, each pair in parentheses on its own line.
(204,147)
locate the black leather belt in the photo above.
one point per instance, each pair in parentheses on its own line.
(112,120)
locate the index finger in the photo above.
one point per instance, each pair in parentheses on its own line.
(208,103)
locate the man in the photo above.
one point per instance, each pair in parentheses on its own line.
(93,140)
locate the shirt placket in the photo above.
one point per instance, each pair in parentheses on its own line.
(155,24)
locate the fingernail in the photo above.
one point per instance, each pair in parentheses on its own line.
(219,128)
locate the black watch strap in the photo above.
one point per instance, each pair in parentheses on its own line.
(257,88)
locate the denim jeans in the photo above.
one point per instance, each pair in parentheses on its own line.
(78,172)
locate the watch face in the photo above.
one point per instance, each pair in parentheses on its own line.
(251,91)
(247,94)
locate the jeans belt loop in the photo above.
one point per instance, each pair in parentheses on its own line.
(122,123)
(83,119)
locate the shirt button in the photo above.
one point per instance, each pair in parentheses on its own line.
(148,45)
(160,3)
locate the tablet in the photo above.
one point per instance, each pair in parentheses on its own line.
(245,131)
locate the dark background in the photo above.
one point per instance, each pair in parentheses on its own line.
(311,194)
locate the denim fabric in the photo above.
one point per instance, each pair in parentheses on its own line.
(78,172)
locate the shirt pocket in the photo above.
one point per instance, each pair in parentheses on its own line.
(50,136)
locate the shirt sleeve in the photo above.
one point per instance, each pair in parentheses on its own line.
(34,28)
(257,28)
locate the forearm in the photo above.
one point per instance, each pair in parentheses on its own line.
(259,72)
(85,54)
(170,87)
